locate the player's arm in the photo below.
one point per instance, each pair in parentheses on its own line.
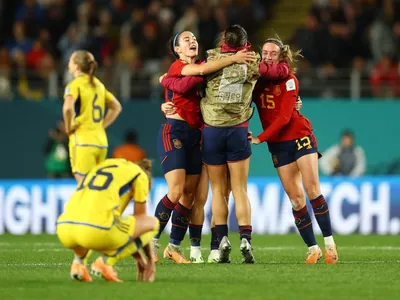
(285,113)
(70,95)
(114,109)
(274,71)
(241,57)
(181,85)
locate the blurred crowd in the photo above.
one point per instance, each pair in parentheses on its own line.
(346,43)
(38,36)
(360,34)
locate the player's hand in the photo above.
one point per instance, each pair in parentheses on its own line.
(298,105)
(244,57)
(255,140)
(149,274)
(71,129)
(161,77)
(140,264)
(168,108)
(249,135)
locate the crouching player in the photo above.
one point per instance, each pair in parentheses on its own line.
(92,220)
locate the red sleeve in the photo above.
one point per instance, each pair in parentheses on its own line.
(274,71)
(176,68)
(181,85)
(285,113)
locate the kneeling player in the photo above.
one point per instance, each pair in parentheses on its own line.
(92,220)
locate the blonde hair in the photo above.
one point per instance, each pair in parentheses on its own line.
(286,53)
(86,63)
(146,165)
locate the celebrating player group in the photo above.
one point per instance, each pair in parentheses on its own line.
(205,138)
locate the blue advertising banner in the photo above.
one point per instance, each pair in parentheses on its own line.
(369,205)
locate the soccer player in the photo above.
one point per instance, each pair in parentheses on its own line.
(182,84)
(179,142)
(226,110)
(294,150)
(92,220)
(85,100)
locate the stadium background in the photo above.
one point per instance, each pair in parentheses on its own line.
(348,79)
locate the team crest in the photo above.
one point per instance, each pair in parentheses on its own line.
(277,90)
(275,159)
(177,143)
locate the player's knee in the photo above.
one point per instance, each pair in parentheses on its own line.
(239,193)
(312,189)
(174,194)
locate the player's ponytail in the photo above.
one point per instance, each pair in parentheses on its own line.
(286,53)
(92,72)
(86,63)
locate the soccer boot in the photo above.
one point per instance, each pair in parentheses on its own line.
(106,271)
(80,272)
(313,255)
(224,251)
(213,257)
(174,253)
(155,246)
(247,252)
(195,255)
(331,256)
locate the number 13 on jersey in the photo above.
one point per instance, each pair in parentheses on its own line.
(267,101)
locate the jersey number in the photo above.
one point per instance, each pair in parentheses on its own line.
(303,142)
(97,113)
(267,102)
(100,173)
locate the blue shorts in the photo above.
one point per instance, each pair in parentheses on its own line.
(221,145)
(284,153)
(179,147)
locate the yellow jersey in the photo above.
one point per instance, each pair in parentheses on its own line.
(105,192)
(90,105)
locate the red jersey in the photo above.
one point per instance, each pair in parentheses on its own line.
(187,103)
(275,101)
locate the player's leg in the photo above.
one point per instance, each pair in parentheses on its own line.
(308,165)
(214,156)
(83,159)
(290,177)
(173,160)
(197,218)
(180,221)
(78,271)
(213,257)
(125,238)
(239,152)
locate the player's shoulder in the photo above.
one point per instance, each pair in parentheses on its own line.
(291,82)
(176,68)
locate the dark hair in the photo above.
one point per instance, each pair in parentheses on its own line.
(86,63)
(235,36)
(348,132)
(173,42)
(131,136)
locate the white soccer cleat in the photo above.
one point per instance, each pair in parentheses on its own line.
(195,255)
(224,251)
(247,252)
(213,258)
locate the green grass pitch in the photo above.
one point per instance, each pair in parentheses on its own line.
(37,267)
